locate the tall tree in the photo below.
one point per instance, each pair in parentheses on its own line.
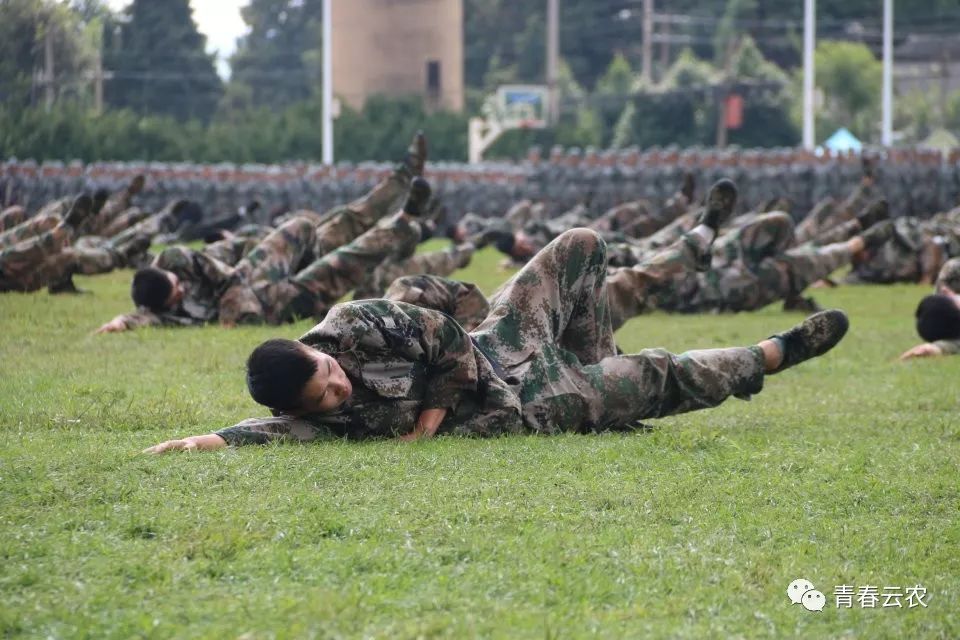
(279,59)
(24,27)
(159,64)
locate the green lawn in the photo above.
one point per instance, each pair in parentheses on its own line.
(843,471)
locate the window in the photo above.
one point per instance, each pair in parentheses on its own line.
(433,77)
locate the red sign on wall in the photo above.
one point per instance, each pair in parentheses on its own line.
(734,111)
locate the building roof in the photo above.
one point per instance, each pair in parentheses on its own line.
(928,48)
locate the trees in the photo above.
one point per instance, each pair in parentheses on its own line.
(279,59)
(24,27)
(850,77)
(160,65)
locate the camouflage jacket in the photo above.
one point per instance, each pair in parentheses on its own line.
(916,252)
(463,301)
(401,360)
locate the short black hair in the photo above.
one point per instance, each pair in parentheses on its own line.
(504,242)
(151,288)
(277,372)
(213,236)
(100,197)
(938,318)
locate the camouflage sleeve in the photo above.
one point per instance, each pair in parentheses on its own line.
(144,318)
(264,430)
(462,300)
(140,319)
(193,264)
(949,276)
(231,250)
(214,271)
(449,356)
(413,334)
(948,347)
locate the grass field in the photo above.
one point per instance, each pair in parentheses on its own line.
(843,471)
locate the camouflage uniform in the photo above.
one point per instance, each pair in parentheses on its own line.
(438,263)
(755,268)
(231,250)
(124,220)
(462,301)
(345,223)
(264,289)
(265,285)
(33,263)
(11,217)
(97,254)
(31,228)
(542,361)
(915,253)
(111,213)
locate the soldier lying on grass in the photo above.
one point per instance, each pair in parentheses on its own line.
(543,361)
(938,316)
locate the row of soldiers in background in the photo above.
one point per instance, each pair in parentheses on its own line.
(310,260)
(915,182)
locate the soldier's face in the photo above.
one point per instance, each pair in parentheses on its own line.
(327,389)
(176,292)
(955,297)
(523,248)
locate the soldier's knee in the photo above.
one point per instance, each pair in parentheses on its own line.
(400,288)
(581,235)
(586,240)
(778,224)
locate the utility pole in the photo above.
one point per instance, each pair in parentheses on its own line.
(98,80)
(327,89)
(553,60)
(886,131)
(48,69)
(646,72)
(664,45)
(809,35)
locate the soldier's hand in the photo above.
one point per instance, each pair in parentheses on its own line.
(172,445)
(114,326)
(207,442)
(925,350)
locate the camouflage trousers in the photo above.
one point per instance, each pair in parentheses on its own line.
(626,254)
(345,223)
(124,220)
(462,301)
(753,265)
(437,263)
(92,255)
(911,255)
(35,262)
(750,284)
(524,212)
(11,217)
(949,276)
(31,228)
(550,331)
(231,250)
(112,215)
(269,285)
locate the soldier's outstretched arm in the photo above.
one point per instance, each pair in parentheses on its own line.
(144,318)
(207,442)
(128,322)
(250,431)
